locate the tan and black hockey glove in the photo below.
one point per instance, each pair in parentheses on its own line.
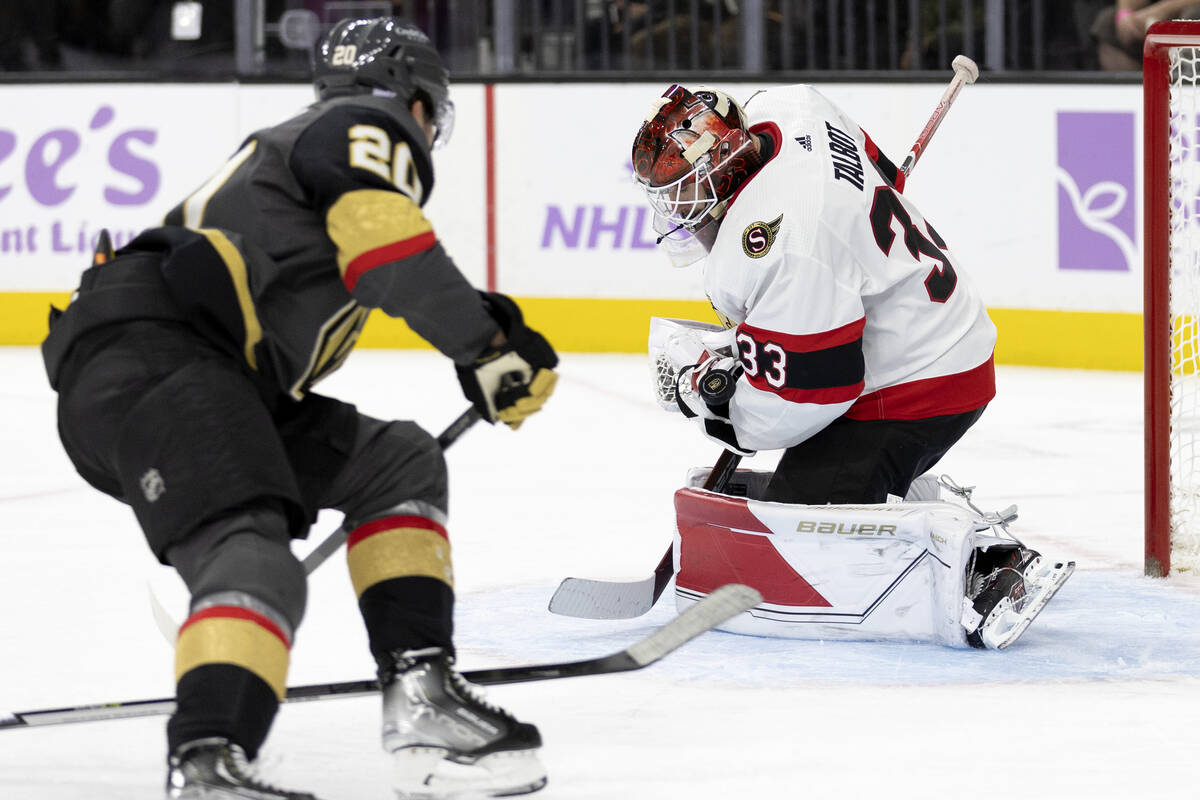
(510,382)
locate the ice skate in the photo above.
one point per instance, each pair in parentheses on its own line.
(217,769)
(445,740)
(1007,588)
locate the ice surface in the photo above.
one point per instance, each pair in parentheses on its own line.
(1099,699)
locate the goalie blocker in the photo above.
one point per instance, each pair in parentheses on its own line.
(920,570)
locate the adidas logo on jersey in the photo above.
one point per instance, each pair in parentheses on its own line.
(805,142)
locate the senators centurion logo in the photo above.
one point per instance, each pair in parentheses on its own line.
(759,236)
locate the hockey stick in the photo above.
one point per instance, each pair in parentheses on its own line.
(723,604)
(966,72)
(592,599)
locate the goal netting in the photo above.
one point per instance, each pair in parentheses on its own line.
(1172,298)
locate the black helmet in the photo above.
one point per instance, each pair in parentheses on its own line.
(383,53)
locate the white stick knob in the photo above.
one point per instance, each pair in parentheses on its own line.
(966,68)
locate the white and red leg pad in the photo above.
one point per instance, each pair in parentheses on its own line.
(870,572)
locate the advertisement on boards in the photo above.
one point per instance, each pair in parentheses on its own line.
(1036,188)
(75,159)
(1096,172)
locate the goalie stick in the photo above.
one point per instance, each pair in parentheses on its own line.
(593,599)
(966,72)
(725,603)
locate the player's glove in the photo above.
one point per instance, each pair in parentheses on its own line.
(703,392)
(512,381)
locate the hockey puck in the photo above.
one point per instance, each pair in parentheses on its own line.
(717,386)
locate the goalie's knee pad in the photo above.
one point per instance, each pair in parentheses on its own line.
(911,571)
(244,560)
(925,487)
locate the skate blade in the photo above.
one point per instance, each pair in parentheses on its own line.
(1006,627)
(431,773)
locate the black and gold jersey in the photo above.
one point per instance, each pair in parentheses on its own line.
(318,220)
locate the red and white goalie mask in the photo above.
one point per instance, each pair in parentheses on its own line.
(691,155)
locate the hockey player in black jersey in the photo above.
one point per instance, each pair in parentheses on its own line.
(184,368)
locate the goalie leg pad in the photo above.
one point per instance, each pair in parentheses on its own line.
(865,572)
(910,571)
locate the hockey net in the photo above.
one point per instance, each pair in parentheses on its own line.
(1172,296)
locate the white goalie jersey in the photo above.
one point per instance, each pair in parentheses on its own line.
(846,301)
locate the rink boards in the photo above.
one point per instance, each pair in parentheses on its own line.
(1035,187)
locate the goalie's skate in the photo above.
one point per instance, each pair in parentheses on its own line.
(1008,588)
(445,740)
(216,769)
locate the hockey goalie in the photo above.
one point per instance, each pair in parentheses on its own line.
(853,341)
(930,566)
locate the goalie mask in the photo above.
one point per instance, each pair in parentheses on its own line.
(691,155)
(384,55)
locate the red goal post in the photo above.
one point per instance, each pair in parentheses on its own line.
(1171,307)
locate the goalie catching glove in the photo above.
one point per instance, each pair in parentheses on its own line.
(703,392)
(509,382)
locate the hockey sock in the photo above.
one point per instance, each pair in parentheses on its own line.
(401,571)
(222,700)
(231,672)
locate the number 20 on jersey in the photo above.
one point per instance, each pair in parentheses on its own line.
(371,149)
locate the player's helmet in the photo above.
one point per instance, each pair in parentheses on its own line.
(384,54)
(692,154)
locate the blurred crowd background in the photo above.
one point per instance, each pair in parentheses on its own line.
(208,39)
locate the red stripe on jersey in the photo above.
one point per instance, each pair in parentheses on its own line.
(929,397)
(390,252)
(825,397)
(808,342)
(872,150)
(889,170)
(237,612)
(392,523)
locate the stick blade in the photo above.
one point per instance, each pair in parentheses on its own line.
(166,624)
(589,599)
(721,605)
